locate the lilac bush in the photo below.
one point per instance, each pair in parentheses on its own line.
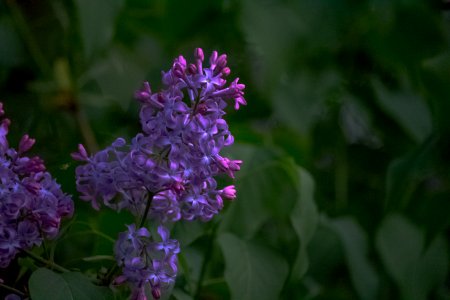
(167,172)
(32,203)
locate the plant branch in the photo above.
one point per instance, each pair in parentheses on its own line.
(46,262)
(147,209)
(10,288)
(206,259)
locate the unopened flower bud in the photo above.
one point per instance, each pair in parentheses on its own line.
(25,143)
(199,54)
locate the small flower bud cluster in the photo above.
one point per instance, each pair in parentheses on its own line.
(31,202)
(168,169)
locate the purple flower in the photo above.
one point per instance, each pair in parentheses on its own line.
(178,152)
(31,202)
(146,261)
(167,172)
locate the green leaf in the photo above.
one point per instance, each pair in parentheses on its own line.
(11,48)
(408,109)
(299,102)
(401,247)
(304,218)
(97,20)
(252,271)
(266,188)
(117,75)
(405,173)
(180,295)
(45,284)
(355,246)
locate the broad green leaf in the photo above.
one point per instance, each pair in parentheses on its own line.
(399,243)
(117,75)
(11,48)
(188,232)
(355,246)
(252,271)
(415,270)
(408,109)
(45,284)
(266,187)
(97,23)
(270,29)
(299,101)
(180,295)
(405,173)
(304,218)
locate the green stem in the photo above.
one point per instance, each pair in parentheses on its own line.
(85,128)
(10,288)
(111,272)
(341,177)
(28,37)
(206,259)
(46,262)
(147,209)
(184,265)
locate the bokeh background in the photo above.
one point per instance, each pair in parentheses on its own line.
(345,187)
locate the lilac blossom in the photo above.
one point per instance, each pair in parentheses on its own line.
(31,202)
(146,260)
(174,160)
(166,172)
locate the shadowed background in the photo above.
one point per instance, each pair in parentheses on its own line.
(345,187)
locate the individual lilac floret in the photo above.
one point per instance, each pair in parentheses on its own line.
(146,261)
(31,202)
(173,162)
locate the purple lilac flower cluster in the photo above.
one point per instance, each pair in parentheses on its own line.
(167,171)
(31,202)
(146,260)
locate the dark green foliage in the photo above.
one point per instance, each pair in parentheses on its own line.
(344,192)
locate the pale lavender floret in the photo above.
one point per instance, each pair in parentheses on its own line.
(31,202)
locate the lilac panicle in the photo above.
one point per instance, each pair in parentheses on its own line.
(31,202)
(146,260)
(176,157)
(169,167)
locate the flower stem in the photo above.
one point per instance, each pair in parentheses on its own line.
(46,262)
(147,209)
(206,259)
(28,38)
(10,288)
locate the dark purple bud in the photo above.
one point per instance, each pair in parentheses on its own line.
(143,95)
(178,70)
(156,292)
(199,54)
(2,112)
(4,128)
(228,192)
(81,155)
(213,59)
(221,62)
(182,61)
(26,143)
(192,69)
(226,71)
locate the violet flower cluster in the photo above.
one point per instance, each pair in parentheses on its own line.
(167,171)
(144,259)
(31,202)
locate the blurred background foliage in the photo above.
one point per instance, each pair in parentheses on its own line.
(345,189)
